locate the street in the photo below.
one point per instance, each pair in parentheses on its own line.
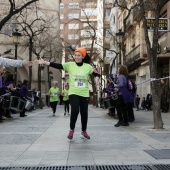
(40,139)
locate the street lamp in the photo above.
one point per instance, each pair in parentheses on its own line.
(119,39)
(16,39)
(101,64)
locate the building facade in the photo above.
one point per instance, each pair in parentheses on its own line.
(46,9)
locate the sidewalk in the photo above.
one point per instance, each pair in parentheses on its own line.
(41,140)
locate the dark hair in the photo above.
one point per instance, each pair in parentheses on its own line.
(123,70)
(87,59)
(25,82)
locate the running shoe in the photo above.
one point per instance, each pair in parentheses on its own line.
(85,135)
(70,135)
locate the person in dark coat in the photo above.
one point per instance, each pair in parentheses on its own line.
(143,104)
(23,95)
(137,102)
(124,96)
(164,94)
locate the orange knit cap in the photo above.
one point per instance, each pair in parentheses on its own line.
(81,50)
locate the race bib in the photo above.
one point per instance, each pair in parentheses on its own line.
(55,94)
(79,83)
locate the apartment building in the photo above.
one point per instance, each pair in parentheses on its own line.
(78,28)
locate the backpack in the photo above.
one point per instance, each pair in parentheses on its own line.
(131,86)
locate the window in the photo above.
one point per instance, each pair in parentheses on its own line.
(73,5)
(108,33)
(108,10)
(61,5)
(71,16)
(73,26)
(61,36)
(88,24)
(61,16)
(87,33)
(61,26)
(73,36)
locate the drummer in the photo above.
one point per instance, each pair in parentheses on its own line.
(109,90)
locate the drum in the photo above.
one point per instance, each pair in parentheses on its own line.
(21,105)
(28,105)
(6,101)
(109,103)
(6,104)
(14,103)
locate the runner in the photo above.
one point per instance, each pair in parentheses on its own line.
(66,100)
(79,72)
(54,93)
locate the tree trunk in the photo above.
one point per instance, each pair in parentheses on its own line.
(39,87)
(30,59)
(152,57)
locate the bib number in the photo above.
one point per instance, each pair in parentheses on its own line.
(55,94)
(79,83)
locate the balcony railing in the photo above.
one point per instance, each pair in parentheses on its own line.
(139,52)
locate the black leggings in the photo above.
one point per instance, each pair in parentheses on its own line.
(79,103)
(121,109)
(66,106)
(54,106)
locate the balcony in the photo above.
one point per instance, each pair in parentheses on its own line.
(136,56)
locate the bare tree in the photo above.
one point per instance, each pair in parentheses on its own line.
(152,56)
(152,45)
(14,8)
(33,27)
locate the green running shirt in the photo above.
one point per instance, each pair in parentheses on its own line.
(55,94)
(78,78)
(65,97)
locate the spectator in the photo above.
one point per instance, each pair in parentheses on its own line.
(137,102)
(23,95)
(143,104)
(149,101)
(164,93)
(35,96)
(124,96)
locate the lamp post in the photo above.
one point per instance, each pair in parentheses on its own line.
(16,39)
(119,38)
(101,64)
